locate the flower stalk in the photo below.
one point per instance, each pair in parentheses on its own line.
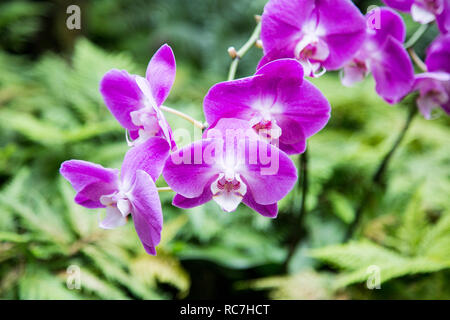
(377,177)
(237,55)
(416,36)
(303,188)
(419,63)
(180,114)
(164,189)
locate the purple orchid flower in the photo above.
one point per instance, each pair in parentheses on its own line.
(134,192)
(383,54)
(230,165)
(434,85)
(276,102)
(425,11)
(134,100)
(320,34)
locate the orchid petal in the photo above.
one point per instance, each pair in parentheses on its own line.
(161,73)
(270,175)
(282,21)
(113,219)
(146,212)
(402,5)
(276,92)
(353,72)
(443,19)
(438,54)
(90,181)
(188,170)
(421,15)
(342,36)
(149,156)
(269,210)
(187,203)
(122,96)
(393,71)
(388,23)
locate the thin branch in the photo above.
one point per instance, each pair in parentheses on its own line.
(237,55)
(196,123)
(417,60)
(416,36)
(379,173)
(164,189)
(299,226)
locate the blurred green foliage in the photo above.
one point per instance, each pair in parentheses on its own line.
(51,111)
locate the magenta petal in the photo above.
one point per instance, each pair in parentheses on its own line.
(393,71)
(149,156)
(438,54)
(269,210)
(402,5)
(278,90)
(89,196)
(343,36)
(291,149)
(90,181)
(434,88)
(188,170)
(229,99)
(277,53)
(282,21)
(238,98)
(282,69)
(386,22)
(443,19)
(146,211)
(161,73)
(121,95)
(271,175)
(82,173)
(187,203)
(305,105)
(342,48)
(292,130)
(228,127)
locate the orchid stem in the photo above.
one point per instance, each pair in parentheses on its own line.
(416,36)
(243,50)
(196,123)
(164,189)
(377,177)
(303,187)
(422,66)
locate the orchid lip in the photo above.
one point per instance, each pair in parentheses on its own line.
(117,199)
(228,190)
(267,130)
(311,50)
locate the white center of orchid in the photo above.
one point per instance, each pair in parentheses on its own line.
(149,119)
(118,207)
(263,122)
(312,50)
(228,190)
(267,129)
(424,11)
(353,72)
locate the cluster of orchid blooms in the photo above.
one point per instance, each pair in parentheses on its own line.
(253,124)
